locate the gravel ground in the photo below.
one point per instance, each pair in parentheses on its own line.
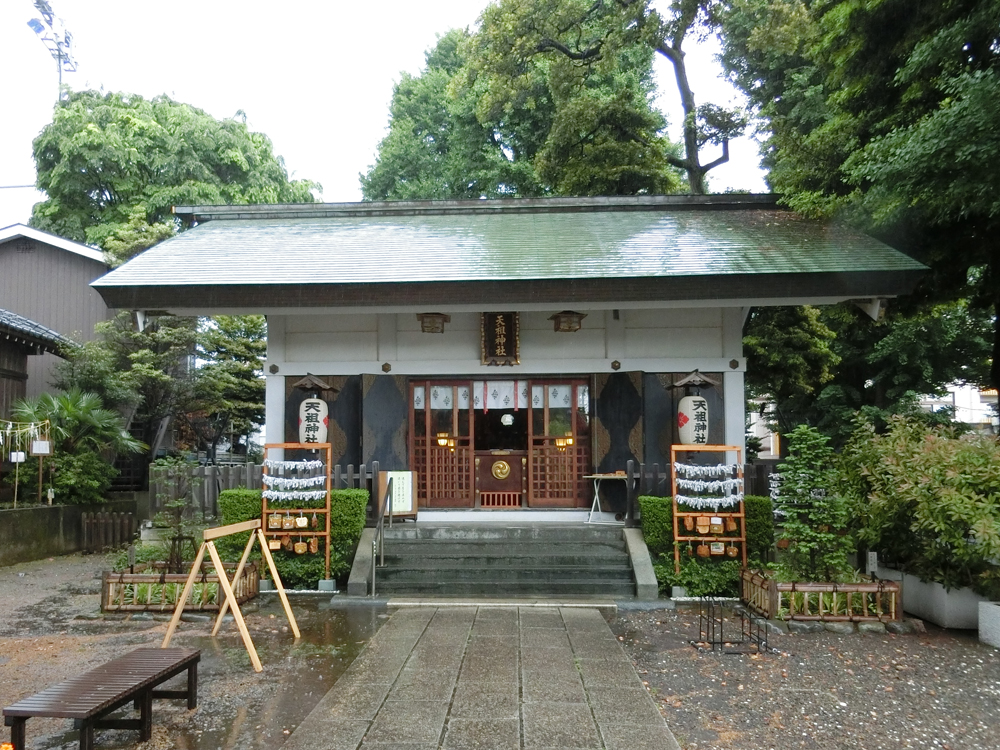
(52,629)
(938,689)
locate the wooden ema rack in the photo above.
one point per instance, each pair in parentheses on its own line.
(739,516)
(323,532)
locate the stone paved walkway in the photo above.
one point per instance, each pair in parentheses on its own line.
(504,678)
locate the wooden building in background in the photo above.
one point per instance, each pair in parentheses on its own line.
(21,340)
(46,279)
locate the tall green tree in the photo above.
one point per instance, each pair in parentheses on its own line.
(883,112)
(106,159)
(146,374)
(229,384)
(112,166)
(822,366)
(574,130)
(600,35)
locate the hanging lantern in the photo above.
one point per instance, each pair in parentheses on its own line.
(692,420)
(314,419)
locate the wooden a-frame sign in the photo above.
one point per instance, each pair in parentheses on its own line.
(208,544)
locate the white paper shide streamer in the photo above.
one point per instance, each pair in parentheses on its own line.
(297,495)
(292,483)
(293,466)
(717,479)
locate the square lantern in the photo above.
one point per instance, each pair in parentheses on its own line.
(433,322)
(567,321)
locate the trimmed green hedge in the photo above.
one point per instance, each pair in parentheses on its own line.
(703,576)
(347,519)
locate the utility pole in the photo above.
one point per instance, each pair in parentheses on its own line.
(57,40)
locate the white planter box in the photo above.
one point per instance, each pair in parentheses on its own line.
(958,608)
(989,623)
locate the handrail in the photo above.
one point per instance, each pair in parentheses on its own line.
(378,543)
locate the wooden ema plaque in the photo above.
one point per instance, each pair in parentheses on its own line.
(712,528)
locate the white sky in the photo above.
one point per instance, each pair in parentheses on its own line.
(315,76)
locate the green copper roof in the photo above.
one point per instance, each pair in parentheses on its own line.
(472,245)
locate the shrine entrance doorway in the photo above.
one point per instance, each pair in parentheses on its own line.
(496,444)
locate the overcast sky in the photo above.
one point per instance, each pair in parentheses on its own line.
(315,76)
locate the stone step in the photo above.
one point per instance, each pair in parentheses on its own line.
(554,588)
(431,548)
(533,558)
(490,532)
(507,573)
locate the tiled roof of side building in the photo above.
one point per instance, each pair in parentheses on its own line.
(24,331)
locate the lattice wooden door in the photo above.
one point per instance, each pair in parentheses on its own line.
(441,445)
(559,444)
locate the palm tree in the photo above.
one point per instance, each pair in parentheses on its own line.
(79,423)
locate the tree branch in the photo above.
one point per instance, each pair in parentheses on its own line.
(548,45)
(722,159)
(678,162)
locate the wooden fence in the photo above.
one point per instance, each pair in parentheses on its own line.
(106,531)
(822,602)
(153,589)
(202,484)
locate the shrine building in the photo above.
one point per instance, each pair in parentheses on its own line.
(553,336)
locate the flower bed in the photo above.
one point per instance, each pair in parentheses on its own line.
(824,602)
(151,589)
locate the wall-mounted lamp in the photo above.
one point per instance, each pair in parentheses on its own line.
(569,438)
(433,322)
(442,439)
(560,443)
(567,321)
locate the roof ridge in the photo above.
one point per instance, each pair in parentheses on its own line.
(729,201)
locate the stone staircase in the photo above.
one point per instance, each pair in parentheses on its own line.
(488,560)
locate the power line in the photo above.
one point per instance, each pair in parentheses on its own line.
(14,187)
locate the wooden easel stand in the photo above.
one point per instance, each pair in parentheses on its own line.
(209,535)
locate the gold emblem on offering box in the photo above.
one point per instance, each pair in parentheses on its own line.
(500,339)
(501,469)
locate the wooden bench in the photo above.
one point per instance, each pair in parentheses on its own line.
(94,694)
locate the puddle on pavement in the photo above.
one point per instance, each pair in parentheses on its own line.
(238,708)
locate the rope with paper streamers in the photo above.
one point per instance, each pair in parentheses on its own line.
(17,436)
(715,471)
(706,501)
(292,483)
(719,485)
(295,495)
(284,466)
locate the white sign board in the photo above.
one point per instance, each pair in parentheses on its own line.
(402,500)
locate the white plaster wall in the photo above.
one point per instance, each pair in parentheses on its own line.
(650,340)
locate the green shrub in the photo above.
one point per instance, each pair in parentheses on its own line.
(657,516)
(347,519)
(816,512)
(929,501)
(702,576)
(760,527)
